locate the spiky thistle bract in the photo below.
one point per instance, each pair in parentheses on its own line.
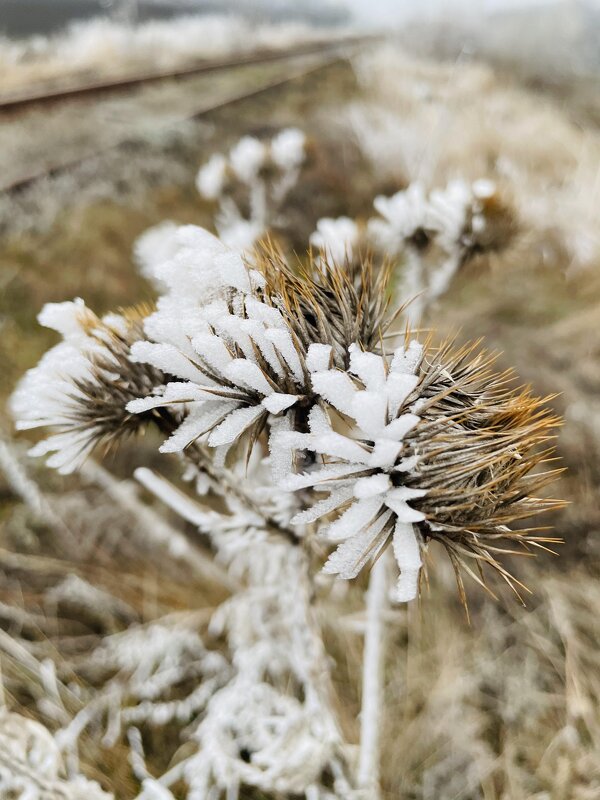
(81,386)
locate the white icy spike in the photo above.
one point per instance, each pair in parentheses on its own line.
(408,557)
(361,466)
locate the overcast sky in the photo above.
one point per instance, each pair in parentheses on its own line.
(26,17)
(377,11)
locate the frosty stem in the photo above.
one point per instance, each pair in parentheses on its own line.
(155,527)
(372,679)
(32,496)
(223,482)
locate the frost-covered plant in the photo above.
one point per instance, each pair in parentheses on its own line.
(337,238)
(271,725)
(433,447)
(437,233)
(251,184)
(276,710)
(155,675)
(427,236)
(267,356)
(324,439)
(242,354)
(81,387)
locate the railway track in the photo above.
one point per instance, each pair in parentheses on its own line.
(58,166)
(44,158)
(20,101)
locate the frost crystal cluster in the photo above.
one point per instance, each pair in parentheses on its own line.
(321,439)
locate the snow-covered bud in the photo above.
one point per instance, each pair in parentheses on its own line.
(402,220)
(155,247)
(211,177)
(247,158)
(288,149)
(458,219)
(336,238)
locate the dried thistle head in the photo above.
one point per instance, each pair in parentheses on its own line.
(250,159)
(82,385)
(237,360)
(328,302)
(477,451)
(239,364)
(241,357)
(424,444)
(459,221)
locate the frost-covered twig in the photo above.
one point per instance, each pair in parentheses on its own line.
(154,527)
(372,679)
(31,494)
(278,707)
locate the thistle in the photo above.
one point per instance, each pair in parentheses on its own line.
(427,444)
(275,382)
(239,361)
(418,445)
(422,444)
(428,237)
(241,350)
(81,386)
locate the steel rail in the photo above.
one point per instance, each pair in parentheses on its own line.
(18,102)
(58,167)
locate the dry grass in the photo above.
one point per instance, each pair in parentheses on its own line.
(503,709)
(509,708)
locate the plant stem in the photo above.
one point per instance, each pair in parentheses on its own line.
(372,679)
(155,528)
(226,482)
(31,494)
(222,480)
